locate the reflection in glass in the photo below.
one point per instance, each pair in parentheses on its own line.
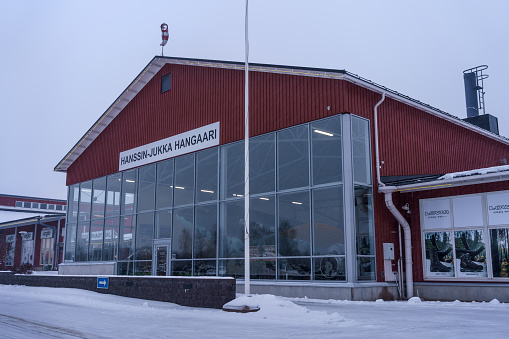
(164,192)
(262,166)
(231,231)
(161,260)
(231,268)
(85,200)
(125,268)
(184,180)
(294,269)
(262,226)
(205,231)
(366,268)
(263,268)
(326,148)
(70,242)
(126,245)
(206,175)
(360,151)
(163,224)
(182,268)
(329,268)
(500,252)
(110,239)
(113,183)
(82,241)
(205,267)
(182,233)
(293,224)
(96,240)
(143,268)
(365,231)
(144,236)
(328,228)
(98,198)
(129,191)
(293,159)
(146,187)
(232,170)
(72,202)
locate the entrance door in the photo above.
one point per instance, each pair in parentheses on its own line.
(161,258)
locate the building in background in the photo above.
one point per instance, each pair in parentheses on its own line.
(337,162)
(32,232)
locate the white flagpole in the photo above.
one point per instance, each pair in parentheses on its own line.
(247,283)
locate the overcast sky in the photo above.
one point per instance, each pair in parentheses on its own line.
(64,62)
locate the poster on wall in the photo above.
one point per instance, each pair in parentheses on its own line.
(470,253)
(498,208)
(436,213)
(467,211)
(500,252)
(439,254)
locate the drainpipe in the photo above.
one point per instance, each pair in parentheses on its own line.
(393,209)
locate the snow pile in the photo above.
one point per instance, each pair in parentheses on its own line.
(414,300)
(480,171)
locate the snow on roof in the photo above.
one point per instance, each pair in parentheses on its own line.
(479,171)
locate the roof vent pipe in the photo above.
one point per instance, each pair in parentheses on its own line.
(474,91)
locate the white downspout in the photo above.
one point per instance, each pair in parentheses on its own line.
(394,210)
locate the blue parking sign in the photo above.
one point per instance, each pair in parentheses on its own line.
(102,282)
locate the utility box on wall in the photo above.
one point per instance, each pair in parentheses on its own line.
(388,251)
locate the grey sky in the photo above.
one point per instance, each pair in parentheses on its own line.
(64,62)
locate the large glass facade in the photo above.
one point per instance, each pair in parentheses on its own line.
(304,223)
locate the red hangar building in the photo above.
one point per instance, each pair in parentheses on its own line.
(357,191)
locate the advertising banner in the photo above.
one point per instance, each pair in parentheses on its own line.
(436,213)
(439,254)
(467,211)
(498,208)
(10,238)
(500,252)
(27,236)
(470,253)
(187,142)
(47,233)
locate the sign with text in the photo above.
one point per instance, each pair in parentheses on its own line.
(47,233)
(187,142)
(498,208)
(27,236)
(10,238)
(436,213)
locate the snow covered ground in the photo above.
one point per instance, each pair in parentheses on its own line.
(43,312)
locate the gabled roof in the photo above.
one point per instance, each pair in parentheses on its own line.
(159,61)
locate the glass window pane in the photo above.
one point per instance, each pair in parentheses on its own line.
(329,268)
(361,151)
(328,222)
(99,198)
(164,192)
(205,267)
(126,244)
(144,236)
(231,268)
(70,241)
(262,227)
(163,224)
(263,268)
(262,164)
(129,192)
(232,170)
(327,154)
(125,268)
(113,183)
(146,187)
(143,268)
(470,253)
(85,200)
(500,252)
(184,180)
(182,268)
(294,230)
(205,231)
(231,242)
(294,269)
(96,240)
(293,159)
(82,241)
(206,175)
(110,239)
(72,202)
(364,221)
(366,269)
(182,240)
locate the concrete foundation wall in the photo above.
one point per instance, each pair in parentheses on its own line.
(359,292)
(189,291)
(106,268)
(462,291)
